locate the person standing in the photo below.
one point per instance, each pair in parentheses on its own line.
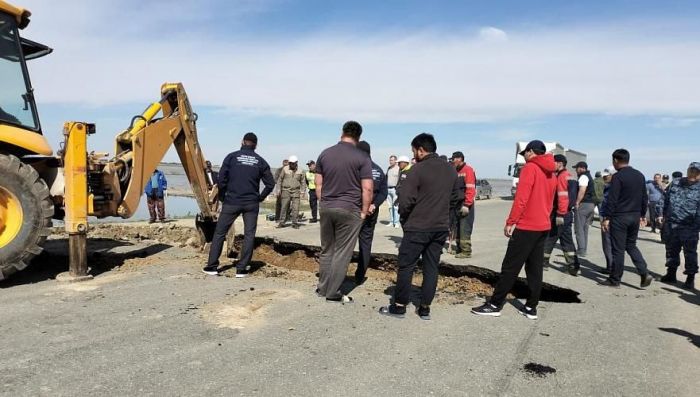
(212,176)
(424,205)
(655,191)
(466,213)
(562,218)
(392,180)
(626,210)
(585,207)
(156,190)
(344,188)
(290,181)
(605,234)
(526,228)
(311,186)
(239,190)
(379,194)
(278,201)
(680,214)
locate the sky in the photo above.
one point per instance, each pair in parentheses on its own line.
(479,75)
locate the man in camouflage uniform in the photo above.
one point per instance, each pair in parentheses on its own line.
(681,225)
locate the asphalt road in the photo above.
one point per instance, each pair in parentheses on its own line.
(157,326)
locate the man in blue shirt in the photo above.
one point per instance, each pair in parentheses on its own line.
(239,190)
(156,190)
(655,191)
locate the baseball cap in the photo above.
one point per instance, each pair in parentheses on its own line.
(310,162)
(251,137)
(695,165)
(534,145)
(293,159)
(456,155)
(609,171)
(581,164)
(403,159)
(560,158)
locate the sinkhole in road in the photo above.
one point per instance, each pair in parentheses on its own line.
(468,279)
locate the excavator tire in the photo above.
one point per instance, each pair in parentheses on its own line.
(26,210)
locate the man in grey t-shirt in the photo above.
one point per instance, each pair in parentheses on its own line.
(344,189)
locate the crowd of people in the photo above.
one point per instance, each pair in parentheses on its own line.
(431,198)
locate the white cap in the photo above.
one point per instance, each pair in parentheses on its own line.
(293,159)
(403,159)
(609,171)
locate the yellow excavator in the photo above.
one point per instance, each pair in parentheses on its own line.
(37,185)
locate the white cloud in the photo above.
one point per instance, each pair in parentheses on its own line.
(107,54)
(492,34)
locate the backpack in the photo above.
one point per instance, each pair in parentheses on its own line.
(598,191)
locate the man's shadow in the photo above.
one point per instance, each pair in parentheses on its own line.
(692,338)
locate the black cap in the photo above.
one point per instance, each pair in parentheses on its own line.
(560,158)
(677,174)
(251,137)
(581,164)
(310,162)
(534,145)
(457,155)
(364,146)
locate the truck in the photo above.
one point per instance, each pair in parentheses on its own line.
(573,157)
(38,186)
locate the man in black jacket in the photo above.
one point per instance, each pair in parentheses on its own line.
(367,231)
(239,190)
(424,206)
(626,209)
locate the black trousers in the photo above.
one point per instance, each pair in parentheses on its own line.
(365,241)
(565,236)
(524,247)
(682,238)
(624,230)
(652,216)
(313,203)
(414,245)
(228,215)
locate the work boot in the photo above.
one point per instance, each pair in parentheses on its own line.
(670,276)
(573,269)
(646,280)
(689,282)
(465,248)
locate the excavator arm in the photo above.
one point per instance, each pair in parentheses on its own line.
(100,186)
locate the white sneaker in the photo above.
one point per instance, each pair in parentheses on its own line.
(397,226)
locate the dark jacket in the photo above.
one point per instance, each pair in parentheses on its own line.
(159,191)
(240,176)
(681,204)
(380,188)
(427,193)
(627,194)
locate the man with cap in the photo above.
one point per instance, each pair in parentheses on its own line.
(344,187)
(626,209)
(585,206)
(239,190)
(465,213)
(562,218)
(379,194)
(290,181)
(404,167)
(605,234)
(311,186)
(527,228)
(680,211)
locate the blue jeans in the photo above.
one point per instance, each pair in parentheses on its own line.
(393,209)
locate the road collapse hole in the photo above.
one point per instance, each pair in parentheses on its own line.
(458,279)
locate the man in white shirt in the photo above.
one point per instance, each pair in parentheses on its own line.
(585,207)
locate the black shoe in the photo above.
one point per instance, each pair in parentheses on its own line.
(242,273)
(646,280)
(423,312)
(609,283)
(669,277)
(341,299)
(573,269)
(487,309)
(393,310)
(689,283)
(313,221)
(529,312)
(604,271)
(211,271)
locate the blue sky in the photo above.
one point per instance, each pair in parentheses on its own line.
(593,75)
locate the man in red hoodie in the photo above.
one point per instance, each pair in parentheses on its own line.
(527,228)
(466,211)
